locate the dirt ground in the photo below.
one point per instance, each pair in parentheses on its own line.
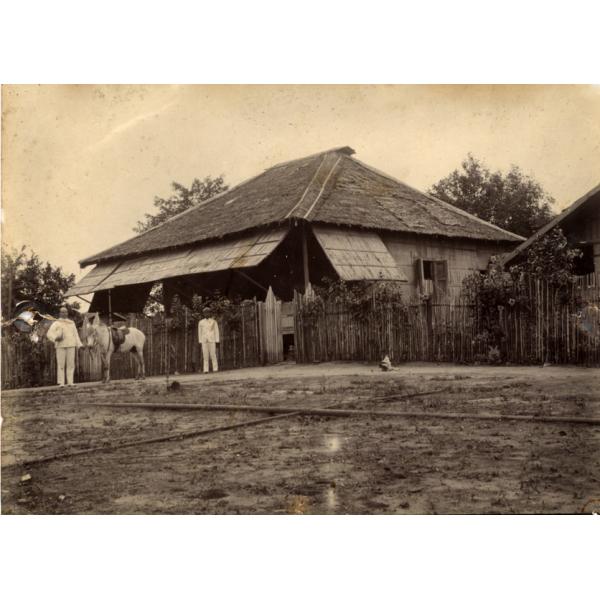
(308,464)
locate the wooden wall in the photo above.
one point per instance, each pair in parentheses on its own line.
(464,257)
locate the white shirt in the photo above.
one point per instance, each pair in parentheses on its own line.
(208,331)
(65,328)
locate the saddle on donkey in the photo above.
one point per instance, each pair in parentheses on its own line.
(118,335)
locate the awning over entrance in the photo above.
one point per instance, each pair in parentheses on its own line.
(247,251)
(358,255)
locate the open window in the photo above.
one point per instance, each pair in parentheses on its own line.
(428,270)
(431,276)
(584,264)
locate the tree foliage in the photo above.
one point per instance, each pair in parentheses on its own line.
(513,201)
(26,277)
(359,298)
(222,308)
(182,199)
(155,303)
(550,258)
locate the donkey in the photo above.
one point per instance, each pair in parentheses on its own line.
(94,334)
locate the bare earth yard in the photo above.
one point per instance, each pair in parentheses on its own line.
(309,464)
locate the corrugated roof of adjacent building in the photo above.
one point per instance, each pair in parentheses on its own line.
(331,187)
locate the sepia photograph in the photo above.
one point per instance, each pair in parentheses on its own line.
(300,299)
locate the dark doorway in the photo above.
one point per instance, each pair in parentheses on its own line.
(584,264)
(289,349)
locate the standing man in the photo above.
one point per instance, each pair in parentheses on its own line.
(66,341)
(208,336)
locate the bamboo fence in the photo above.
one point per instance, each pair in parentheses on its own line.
(546,328)
(167,349)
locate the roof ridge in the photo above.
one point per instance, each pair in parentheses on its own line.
(347,150)
(445,204)
(291,211)
(317,188)
(322,189)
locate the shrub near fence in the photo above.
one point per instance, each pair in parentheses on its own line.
(547,326)
(168,348)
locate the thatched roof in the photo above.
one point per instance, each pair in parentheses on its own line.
(567,215)
(331,188)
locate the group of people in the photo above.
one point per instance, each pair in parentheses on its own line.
(63,332)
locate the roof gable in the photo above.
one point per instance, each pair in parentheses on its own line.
(567,213)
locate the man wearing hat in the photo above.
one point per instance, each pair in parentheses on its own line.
(208,336)
(66,341)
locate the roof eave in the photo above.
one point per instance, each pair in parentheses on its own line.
(120,257)
(553,223)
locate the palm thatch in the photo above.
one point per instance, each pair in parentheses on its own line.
(330,188)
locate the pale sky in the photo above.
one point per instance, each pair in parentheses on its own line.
(82,164)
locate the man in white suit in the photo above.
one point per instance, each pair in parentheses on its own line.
(208,336)
(66,341)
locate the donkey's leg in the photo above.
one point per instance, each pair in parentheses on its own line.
(137,363)
(107,366)
(140,355)
(103,365)
(138,366)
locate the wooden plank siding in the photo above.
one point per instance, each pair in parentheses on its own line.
(463,257)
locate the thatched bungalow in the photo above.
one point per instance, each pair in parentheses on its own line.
(580,223)
(326,215)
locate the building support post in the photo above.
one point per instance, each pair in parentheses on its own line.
(109,309)
(305,258)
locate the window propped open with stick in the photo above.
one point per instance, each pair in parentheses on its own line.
(432,277)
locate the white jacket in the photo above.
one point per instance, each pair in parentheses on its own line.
(208,331)
(65,329)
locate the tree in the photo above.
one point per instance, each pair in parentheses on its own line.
(155,303)
(551,258)
(182,199)
(513,201)
(26,277)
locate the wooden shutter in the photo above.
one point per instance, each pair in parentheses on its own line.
(440,277)
(419,275)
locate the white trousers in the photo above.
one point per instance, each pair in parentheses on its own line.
(209,349)
(65,360)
